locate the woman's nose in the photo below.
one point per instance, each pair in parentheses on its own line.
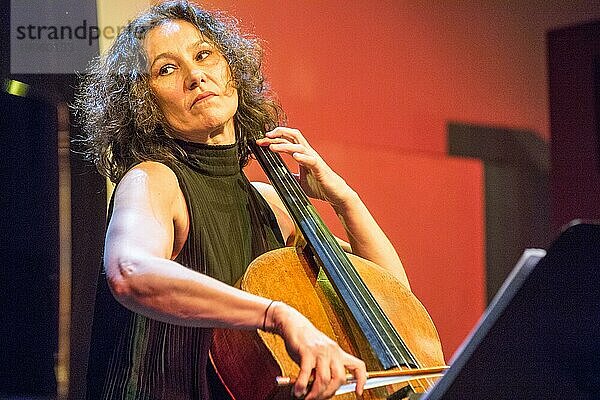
(195,77)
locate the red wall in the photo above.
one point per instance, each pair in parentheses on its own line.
(373,84)
(402,69)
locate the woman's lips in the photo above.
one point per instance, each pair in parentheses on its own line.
(202,96)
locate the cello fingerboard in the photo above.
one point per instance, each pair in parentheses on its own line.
(387,346)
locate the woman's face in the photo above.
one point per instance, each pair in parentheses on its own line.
(190,79)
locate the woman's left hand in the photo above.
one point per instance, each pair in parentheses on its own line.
(316,178)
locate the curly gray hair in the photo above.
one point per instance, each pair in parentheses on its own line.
(120,120)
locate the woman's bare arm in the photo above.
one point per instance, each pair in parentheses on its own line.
(149,208)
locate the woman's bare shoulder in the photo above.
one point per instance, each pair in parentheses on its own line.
(153,186)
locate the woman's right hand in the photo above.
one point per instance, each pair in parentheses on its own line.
(314,351)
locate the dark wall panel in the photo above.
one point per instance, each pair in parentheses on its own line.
(574,55)
(28,246)
(516,167)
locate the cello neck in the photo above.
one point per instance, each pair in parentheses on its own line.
(386,344)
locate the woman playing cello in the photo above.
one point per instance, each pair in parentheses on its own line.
(167,114)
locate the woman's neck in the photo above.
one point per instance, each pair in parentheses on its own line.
(224,134)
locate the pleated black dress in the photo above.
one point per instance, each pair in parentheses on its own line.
(134,357)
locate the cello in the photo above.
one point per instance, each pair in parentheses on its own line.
(357,303)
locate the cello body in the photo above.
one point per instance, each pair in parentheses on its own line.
(248,362)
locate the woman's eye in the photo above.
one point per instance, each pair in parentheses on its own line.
(202,54)
(166,70)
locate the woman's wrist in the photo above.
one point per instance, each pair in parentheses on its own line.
(266,315)
(346,201)
(272,317)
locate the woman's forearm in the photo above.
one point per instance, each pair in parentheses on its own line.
(165,290)
(366,238)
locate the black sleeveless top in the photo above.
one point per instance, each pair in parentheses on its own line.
(135,357)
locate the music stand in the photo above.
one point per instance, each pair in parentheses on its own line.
(540,336)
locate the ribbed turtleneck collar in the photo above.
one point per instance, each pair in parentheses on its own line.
(212,160)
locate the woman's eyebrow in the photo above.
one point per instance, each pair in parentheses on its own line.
(169,54)
(199,43)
